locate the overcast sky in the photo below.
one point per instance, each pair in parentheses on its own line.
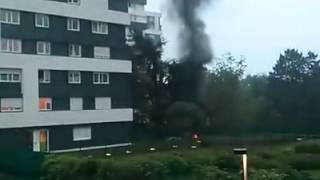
(258,29)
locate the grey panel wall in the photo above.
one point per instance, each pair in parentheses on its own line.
(102,134)
(10,90)
(119,89)
(61,137)
(16,139)
(118,5)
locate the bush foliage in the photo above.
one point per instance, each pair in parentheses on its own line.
(162,166)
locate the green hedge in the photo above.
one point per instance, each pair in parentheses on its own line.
(311,147)
(161,167)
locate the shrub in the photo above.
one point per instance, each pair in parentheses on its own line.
(305,162)
(296,175)
(213,173)
(86,169)
(177,165)
(151,169)
(261,163)
(136,168)
(228,161)
(266,155)
(263,174)
(277,174)
(311,147)
(61,167)
(112,170)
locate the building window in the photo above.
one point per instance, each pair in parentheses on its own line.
(76,104)
(42,20)
(44,76)
(76,2)
(74,50)
(151,22)
(9,17)
(74,77)
(99,27)
(101,52)
(45,104)
(11,104)
(102,103)
(100,78)
(81,133)
(73,24)
(43,48)
(10,76)
(11,45)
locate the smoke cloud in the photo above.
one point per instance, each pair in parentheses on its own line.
(194,42)
(188,76)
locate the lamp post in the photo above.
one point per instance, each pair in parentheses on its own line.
(244,157)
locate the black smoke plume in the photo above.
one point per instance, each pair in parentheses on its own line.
(188,75)
(194,41)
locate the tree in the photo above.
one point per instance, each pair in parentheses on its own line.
(223,93)
(288,90)
(292,66)
(150,75)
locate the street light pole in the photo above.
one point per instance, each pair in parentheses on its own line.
(244,157)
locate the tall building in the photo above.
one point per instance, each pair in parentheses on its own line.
(65,75)
(142,21)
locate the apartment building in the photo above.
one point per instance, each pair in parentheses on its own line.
(65,75)
(142,21)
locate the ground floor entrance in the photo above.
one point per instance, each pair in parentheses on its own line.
(40,140)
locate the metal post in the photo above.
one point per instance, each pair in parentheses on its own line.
(244,159)
(245,166)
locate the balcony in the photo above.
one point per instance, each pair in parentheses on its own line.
(56,118)
(21,61)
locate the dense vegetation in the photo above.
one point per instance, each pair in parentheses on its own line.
(279,163)
(284,101)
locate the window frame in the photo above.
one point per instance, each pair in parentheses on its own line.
(43,18)
(12,109)
(72,79)
(10,76)
(10,45)
(47,46)
(105,101)
(99,26)
(73,106)
(9,16)
(100,78)
(73,2)
(85,138)
(70,24)
(99,56)
(73,50)
(46,77)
